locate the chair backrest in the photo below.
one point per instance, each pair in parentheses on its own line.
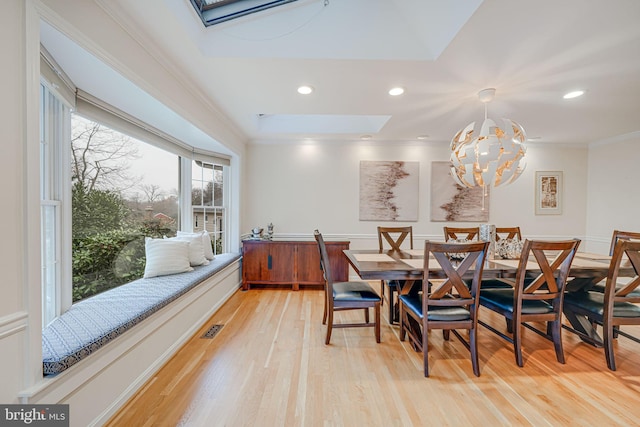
(554,260)
(622,235)
(508,233)
(395,237)
(613,292)
(324,261)
(453,291)
(469,233)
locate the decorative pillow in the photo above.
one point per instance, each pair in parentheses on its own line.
(166,256)
(196,249)
(206,242)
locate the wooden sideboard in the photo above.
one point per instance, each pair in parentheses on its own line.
(290,263)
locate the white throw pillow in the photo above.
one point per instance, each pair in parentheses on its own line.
(196,249)
(206,242)
(165,256)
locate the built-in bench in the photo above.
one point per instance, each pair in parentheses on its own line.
(90,324)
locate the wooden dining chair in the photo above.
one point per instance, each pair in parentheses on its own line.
(538,300)
(614,307)
(617,236)
(352,295)
(508,233)
(448,304)
(469,233)
(394,237)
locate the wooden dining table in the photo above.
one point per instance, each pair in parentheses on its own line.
(587,269)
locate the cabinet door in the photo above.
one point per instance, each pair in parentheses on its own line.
(255,262)
(281,262)
(309,270)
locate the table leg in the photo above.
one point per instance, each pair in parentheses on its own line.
(584,328)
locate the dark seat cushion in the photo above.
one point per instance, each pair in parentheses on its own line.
(414,303)
(503,301)
(593,302)
(600,286)
(354,291)
(493,284)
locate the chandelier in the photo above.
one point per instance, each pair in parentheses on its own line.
(490,155)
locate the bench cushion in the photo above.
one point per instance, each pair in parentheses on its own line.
(92,323)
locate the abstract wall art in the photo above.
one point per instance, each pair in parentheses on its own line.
(389,190)
(453,202)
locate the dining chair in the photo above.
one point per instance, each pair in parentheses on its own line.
(617,236)
(449,304)
(351,295)
(614,307)
(508,233)
(394,237)
(538,300)
(469,233)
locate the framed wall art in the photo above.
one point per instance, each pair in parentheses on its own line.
(453,202)
(548,192)
(389,190)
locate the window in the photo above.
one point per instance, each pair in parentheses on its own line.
(216,11)
(54,134)
(123,190)
(207,201)
(107,181)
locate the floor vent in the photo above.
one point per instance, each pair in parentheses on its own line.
(212,331)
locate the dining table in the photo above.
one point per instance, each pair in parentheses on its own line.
(407,266)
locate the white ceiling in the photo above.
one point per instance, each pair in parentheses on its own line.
(442,52)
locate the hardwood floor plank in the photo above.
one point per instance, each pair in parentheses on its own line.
(268,366)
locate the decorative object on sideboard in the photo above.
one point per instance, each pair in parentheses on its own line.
(256,233)
(270,231)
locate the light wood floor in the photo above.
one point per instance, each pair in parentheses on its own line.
(268,366)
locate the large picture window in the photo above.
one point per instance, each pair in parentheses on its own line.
(123,190)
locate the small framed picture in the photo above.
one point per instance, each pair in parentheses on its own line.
(549,192)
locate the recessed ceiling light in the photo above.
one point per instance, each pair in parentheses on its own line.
(423,136)
(365,137)
(396,91)
(574,94)
(305,90)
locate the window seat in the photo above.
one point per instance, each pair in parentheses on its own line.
(92,323)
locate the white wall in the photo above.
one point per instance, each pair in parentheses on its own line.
(613,201)
(300,187)
(13,300)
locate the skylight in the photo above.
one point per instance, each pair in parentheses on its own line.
(216,11)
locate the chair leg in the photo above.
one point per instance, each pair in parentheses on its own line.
(366,315)
(403,333)
(376,313)
(324,317)
(329,327)
(445,334)
(608,334)
(382,292)
(517,342)
(509,325)
(425,350)
(473,348)
(392,307)
(556,334)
